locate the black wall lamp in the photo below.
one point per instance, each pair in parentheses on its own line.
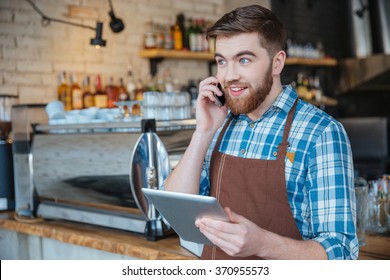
(116,24)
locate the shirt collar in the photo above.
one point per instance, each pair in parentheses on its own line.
(284,101)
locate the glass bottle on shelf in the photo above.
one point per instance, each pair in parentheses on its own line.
(205,43)
(123,94)
(192,35)
(139,96)
(159,33)
(64,94)
(199,35)
(177,37)
(88,97)
(149,38)
(168,37)
(101,99)
(168,81)
(301,88)
(112,92)
(77,94)
(130,84)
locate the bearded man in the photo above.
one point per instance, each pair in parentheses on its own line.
(281,167)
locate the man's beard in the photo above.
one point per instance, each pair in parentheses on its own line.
(249,102)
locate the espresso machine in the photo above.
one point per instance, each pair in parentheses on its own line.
(94,172)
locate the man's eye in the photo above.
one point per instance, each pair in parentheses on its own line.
(244,60)
(221,62)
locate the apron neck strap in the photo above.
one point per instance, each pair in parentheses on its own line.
(222,133)
(289,121)
(286,131)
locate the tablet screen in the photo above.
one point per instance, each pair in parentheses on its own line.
(181,211)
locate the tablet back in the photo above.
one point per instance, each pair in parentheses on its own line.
(181,210)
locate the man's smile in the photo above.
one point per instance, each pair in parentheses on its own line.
(236,91)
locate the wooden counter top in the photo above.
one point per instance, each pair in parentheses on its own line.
(100,238)
(377,247)
(135,245)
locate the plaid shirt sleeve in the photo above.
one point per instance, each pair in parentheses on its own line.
(331,193)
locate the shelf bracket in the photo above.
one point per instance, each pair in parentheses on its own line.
(153,65)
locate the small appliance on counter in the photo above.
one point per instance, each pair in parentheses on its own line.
(93,172)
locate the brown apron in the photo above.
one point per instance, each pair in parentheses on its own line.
(253,188)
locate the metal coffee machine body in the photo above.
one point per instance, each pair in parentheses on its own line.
(94,173)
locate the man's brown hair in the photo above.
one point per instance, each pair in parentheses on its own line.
(248,19)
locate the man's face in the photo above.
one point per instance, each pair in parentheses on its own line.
(245,70)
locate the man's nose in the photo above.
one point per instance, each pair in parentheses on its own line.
(232,73)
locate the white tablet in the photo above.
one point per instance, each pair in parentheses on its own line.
(181,210)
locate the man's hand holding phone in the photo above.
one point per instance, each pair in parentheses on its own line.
(219,99)
(211,110)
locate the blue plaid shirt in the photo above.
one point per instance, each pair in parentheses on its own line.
(319,181)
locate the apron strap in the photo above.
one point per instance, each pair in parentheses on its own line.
(286,130)
(222,133)
(289,121)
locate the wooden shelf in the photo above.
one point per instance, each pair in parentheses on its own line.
(311,61)
(157,53)
(161,53)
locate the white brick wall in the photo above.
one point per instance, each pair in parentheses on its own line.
(31,56)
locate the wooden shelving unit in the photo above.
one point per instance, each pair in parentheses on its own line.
(155,56)
(311,61)
(173,54)
(157,53)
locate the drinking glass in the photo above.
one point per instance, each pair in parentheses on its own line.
(361,193)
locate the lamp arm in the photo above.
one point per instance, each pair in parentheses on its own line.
(46,20)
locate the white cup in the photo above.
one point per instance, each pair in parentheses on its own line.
(55,110)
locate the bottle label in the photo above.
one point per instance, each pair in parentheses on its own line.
(88,101)
(77,99)
(101,101)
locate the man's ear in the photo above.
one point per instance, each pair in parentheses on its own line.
(278,62)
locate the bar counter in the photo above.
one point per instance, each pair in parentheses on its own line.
(136,246)
(110,240)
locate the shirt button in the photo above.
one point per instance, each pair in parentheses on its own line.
(252,125)
(243,151)
(275,153)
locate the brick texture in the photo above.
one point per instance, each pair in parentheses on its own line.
(31,56)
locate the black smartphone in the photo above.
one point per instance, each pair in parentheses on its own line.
(220,100)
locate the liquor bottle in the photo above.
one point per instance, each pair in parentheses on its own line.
(205,43)
(199,35)
(192,35)
(211,41)
(130,84)
(77,94)
(101,99)
(184,39)
(168,81)
(177,37)
(160,83)
(64,94)
(88,97)
(159,33)
(139,95)
(301,88)
(318,90)
(168,37)
(112,93)
(150,38)
(123,95)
